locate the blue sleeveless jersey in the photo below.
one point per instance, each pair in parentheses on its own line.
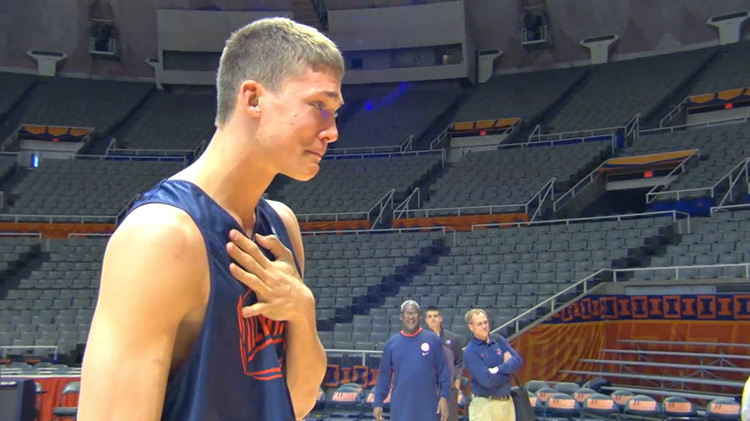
(234,369)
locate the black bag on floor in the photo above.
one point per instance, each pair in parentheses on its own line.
(524,410)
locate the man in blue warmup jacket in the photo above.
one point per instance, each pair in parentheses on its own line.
(491,362)
(413,360)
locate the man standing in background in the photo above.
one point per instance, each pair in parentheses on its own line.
(491,362)
(413,362)
(452,348)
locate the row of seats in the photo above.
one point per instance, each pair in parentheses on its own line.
(475,268)
(83,187)
(721,148)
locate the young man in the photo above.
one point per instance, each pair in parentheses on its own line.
(175,336)
(452,348)
(490,363)
(413,362)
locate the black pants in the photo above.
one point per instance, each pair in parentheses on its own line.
(453,405)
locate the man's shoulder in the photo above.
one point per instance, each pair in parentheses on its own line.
(163,223)
(450,335)
(285,212)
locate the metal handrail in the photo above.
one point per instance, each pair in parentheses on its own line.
(404,146)
(158,158)
(695,125)
(742,166)
(729,208)
(404,207)
(383,154)
(459,210)
(38,235)
(547,190)
(573,191)
(711,189)
(673,113)
(382,204)
(679,169)
(337,216)
(567,221)
(376,231)
(121,214)
(49,218)
(551,301)
(573,134)
(677,269)
(442,136)
(5,349)
(124,152)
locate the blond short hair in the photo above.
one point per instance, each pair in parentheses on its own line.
(269,51)
(471,313)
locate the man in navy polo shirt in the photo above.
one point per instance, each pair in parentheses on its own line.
(491,362)
(413,361)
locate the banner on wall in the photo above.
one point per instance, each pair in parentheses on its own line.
(337,375)
(656,307)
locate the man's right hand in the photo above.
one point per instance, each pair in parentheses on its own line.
(377,412)
(506,356)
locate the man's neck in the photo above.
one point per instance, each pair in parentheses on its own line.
(437,331)
(231,178)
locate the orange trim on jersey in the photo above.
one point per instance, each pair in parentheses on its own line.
(413,334)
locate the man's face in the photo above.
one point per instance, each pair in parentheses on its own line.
(297,123)
(410,319)
(433,319)
(480,326)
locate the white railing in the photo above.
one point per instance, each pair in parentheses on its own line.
(710,191)
(482,209)
(660,189)
(9,141)
(200,148)
(443,230)
(580,185)
(676,269)
(385,154)
(735,175)
(406,205)
(88,234)
(537,136)
(672,129)
(553,302)
(123,152)
(5,348)
(380,207)
(331,216)
(47,218)
(673,113)
(38,235)
(124,210)
(729,208)
(404,146)
(548,190)
(445,134)
(132,158)
(462,211)
(567,221)
(362,352)
(633,127)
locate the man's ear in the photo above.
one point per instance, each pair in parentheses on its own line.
(250,96)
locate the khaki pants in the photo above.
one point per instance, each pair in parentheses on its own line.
(483,409)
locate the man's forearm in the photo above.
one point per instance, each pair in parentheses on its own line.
(306,364)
